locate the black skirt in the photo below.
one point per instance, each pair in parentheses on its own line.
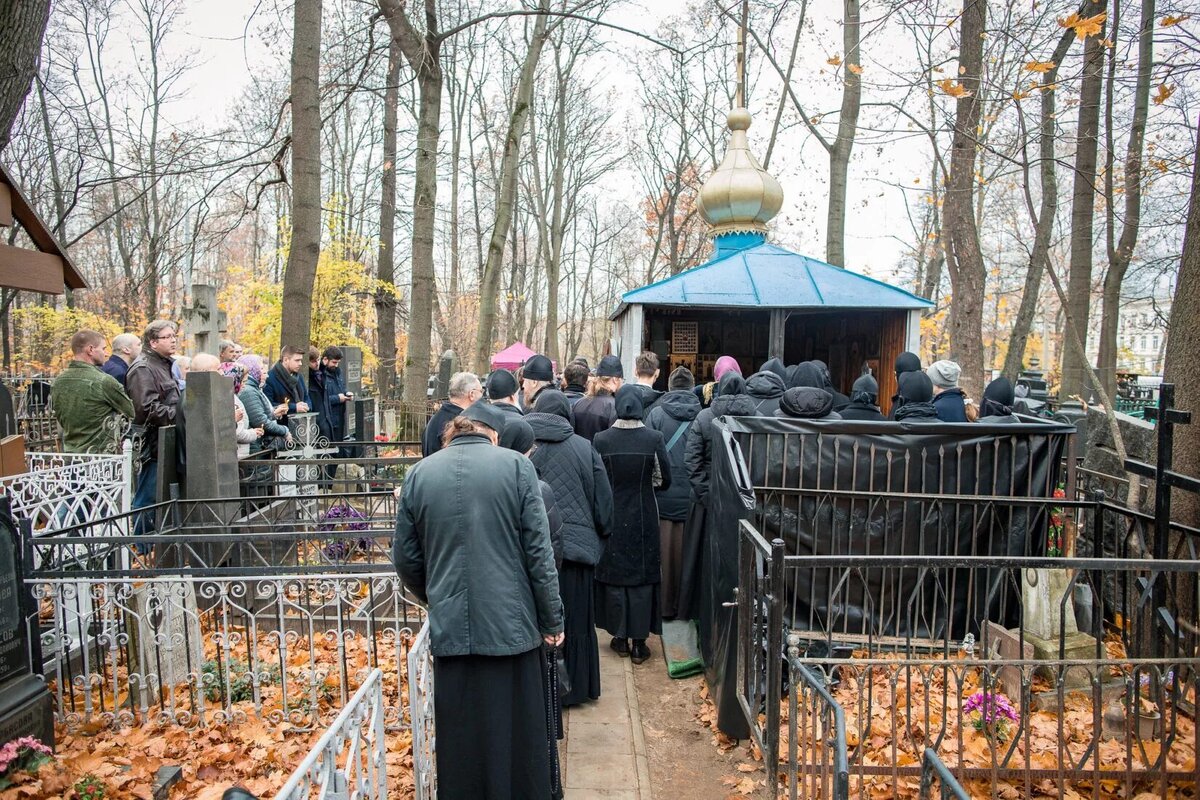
(691,569)
(579,626)
(490,716)
(629,612)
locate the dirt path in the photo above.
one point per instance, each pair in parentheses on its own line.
(685,764)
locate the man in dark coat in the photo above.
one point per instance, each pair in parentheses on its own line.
(464,390)
(453,549)
(629,574)
(673,417)
(806,402)
(583,495)
(575,376)
(864,401)
(126,347)
(646,369)
(765,388)
(948,398)
(327,390)
(916,398)
(155,395)
(597,412)
(284,386)
(537,373)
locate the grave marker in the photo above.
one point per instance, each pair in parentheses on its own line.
(26,707)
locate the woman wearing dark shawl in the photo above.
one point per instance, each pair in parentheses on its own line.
(998,399)
(630,571)
(916,398)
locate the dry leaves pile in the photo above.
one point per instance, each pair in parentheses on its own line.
(258,752)
(892,714)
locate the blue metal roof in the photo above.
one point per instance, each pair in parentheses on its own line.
(764,275)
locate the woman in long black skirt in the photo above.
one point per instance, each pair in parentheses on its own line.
(630,572)
(571,466)
(473,543)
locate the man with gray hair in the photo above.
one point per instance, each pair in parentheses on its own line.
(125,348)
(227,351)
(465,389)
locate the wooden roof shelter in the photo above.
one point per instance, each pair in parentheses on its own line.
(46,270)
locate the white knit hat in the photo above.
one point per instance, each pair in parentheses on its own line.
(944,374)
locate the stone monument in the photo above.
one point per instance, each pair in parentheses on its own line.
(204,322)
(1049,625)
(447,366)
(26,707)
(352,372)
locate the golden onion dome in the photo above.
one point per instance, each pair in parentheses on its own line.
(740,196)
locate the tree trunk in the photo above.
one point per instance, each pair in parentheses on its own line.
(506,194)
(839,154)
(1074,371)
(964,258)
(385,298)
(1120,256)
(305,247)
(424,283)
(1043,220)
(20,45)
(1183,352)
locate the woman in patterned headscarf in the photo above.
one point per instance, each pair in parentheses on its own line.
(259,413)
(246,435)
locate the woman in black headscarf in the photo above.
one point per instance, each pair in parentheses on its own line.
(864,401)
(839,399)
(630,571)
(807,402)
(905,362)
(806,373)
(916,398)
(998,399)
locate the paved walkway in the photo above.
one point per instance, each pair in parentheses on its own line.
(604,753)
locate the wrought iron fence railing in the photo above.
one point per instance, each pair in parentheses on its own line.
(349,760)
(60,490)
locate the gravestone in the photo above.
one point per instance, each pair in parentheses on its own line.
(8,416)
(204,322)
(1006,645)
(352,374)
(1048,629)
(211,455)
(26,707)
(168,650)
(447,366)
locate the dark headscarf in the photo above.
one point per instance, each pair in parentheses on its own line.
(776,366)
(866,390)
(629,402)
(915,387)
(552,401)
(806,402)
(907,362)
(517,436)
(806,373)
(731,383)
(998,399)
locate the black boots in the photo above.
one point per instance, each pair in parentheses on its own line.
(621,646)
(639,653)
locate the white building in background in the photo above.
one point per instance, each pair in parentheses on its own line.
(1141,336)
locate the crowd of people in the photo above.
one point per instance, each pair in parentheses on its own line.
(547,506)
(141,386)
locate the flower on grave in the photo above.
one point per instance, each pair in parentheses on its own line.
(344,517)
(1054,532)
(991,714)
(22,755)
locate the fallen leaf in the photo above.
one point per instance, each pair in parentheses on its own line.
(1084,26)
(1164,92)
(1041,67)
(953,88)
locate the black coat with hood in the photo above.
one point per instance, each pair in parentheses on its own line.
(431,439)
(573,468)
(676,409)
(765,387)
(732,401)
(649,396)
(863,397)
(636,461)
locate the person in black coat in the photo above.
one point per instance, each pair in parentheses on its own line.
(948,397)
(864,401)
(597,412)
(575,377)
(806,402)
(998,399)
(765,388)
(673,417)
(453,550)
(839,399)
(583,495)
(905,362)
(732,401)
(464,390)
(518,437)
(502,392)
(629,574)
(916,398)
(806,373)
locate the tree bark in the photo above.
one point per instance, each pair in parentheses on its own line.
(964,258)
(839,153)
(1074,380)
(385,297)
(20,45)
(304,249)
(422,51)
(1120,256)
(1043,219)
(506,194)
(1183,352)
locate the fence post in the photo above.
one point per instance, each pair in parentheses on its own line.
(775,656)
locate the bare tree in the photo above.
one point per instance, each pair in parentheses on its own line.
(385,297)
(20,42)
